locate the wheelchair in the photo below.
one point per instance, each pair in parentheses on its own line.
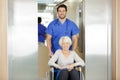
(51,75)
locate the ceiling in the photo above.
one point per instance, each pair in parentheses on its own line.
(48,5)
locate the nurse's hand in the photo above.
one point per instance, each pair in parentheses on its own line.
(50,54)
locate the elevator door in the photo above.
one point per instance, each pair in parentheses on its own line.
(97,39)
(22,40)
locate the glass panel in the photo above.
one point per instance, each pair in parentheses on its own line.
(22,40)
(98,39)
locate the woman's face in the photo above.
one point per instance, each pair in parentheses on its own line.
(65,45)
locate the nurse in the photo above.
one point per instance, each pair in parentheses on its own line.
(59,27)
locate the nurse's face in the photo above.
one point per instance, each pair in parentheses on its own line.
(62,13)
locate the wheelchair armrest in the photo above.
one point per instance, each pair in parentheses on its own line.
(51,73)
(75,66)
(79,67)
(52,67)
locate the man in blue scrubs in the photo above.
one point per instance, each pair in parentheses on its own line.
(41,32)
(61,26)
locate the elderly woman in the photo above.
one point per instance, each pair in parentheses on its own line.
(66,60)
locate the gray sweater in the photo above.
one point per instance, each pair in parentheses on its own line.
(64,61)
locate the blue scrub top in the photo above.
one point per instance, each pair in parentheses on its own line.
(56,29)
(41,33)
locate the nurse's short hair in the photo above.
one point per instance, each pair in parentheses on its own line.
(62,6)
(66,39)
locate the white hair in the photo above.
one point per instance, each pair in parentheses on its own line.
(65,39)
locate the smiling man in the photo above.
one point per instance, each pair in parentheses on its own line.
(59,27)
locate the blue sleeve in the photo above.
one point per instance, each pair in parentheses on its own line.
(41,29)
(75,29)
(49,29)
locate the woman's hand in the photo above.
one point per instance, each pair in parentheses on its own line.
(70,67)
